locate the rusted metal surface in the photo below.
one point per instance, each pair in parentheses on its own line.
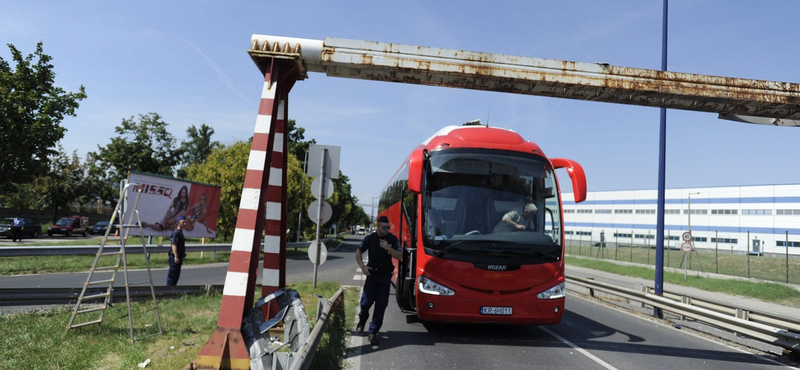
(537,76)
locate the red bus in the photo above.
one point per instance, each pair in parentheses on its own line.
(445,204)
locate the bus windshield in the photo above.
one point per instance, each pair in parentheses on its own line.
(471,195)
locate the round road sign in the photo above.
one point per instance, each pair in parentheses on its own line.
(328,187)
(686,236)
(686,247)
(327,211)
(312,253)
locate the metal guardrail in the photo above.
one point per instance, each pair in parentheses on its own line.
(310,347)
(53,296)
(92,249)
(782,332)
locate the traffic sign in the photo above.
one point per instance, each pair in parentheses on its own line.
(686,236)
(327,211)
(312,253)
(686,247)
(328,188)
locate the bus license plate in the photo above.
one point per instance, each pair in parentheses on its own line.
(486,310)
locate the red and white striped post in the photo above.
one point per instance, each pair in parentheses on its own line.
(263,205)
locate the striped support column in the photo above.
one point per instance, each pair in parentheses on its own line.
(226,348)
(273,274)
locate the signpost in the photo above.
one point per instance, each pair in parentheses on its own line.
(686,247)
(325,159)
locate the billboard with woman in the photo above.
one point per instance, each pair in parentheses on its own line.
(164,199)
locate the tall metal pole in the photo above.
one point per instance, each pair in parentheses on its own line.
(321,202)
(300,212)
(373,208)
(662,165)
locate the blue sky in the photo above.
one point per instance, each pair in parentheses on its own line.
(188,61)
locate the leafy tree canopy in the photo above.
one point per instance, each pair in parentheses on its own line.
(144,146)
(31,111)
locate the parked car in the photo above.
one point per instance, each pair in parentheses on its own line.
(70,225)
(30,228)
(100,228)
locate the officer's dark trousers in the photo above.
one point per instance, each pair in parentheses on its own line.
(174,272)
(376,290)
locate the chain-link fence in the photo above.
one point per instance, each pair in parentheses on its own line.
(716,258)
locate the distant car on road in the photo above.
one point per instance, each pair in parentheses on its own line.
(100,228)
(30,228)
(70,225)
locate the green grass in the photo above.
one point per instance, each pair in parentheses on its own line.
(40,341)
(770,292)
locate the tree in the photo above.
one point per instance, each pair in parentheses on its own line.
(225,167)
(31,110)
(144,146)
(64,184)
(197,146)
(297,146)
(346,211)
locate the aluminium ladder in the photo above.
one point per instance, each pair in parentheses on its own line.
(88,299)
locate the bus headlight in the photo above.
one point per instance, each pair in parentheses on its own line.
(556,292)
(431,287)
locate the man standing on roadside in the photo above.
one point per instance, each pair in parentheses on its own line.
(177,252)
(381,246)
(16,229)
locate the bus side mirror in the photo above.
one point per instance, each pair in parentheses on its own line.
(577,175)
(415,171)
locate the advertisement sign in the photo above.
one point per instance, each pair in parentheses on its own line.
(164,199)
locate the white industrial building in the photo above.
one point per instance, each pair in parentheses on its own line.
(768,216)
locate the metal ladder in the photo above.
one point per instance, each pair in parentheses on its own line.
(88,301)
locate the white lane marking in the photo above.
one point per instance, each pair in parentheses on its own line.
(352,359)
(579,349)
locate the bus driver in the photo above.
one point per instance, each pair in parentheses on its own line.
(513,221)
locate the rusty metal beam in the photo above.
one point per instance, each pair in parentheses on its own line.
(534,76)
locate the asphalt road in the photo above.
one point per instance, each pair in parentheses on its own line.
(591,336)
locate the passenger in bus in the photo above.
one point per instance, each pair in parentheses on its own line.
(513,221)
(381,247)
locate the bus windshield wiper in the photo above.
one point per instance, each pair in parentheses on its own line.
(449,248)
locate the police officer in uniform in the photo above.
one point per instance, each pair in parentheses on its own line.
(381,247)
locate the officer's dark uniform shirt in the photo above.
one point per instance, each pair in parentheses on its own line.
(380,261)
(180,241)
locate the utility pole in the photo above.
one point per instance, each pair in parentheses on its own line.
(302,206)
(373,209)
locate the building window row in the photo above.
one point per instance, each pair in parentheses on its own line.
(725,240)
(761,212)
(644,236)
(622,235)
(783,243)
